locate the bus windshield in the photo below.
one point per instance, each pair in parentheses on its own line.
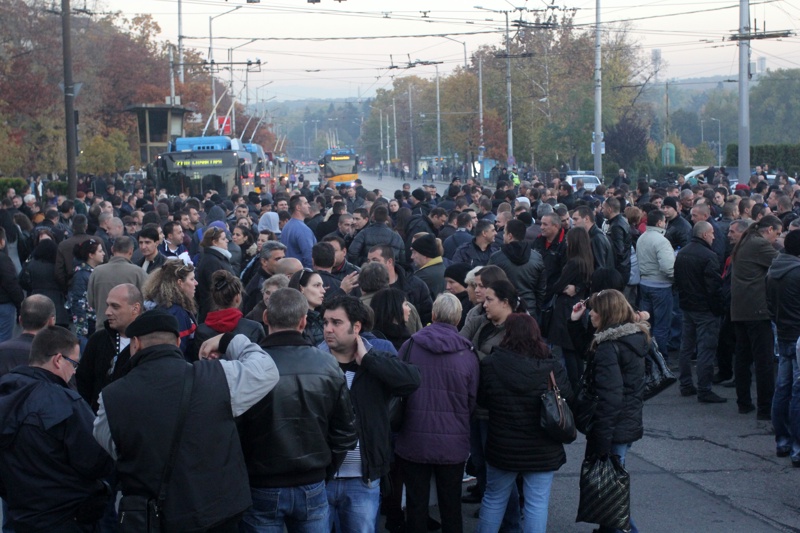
(340,167)
(194,173)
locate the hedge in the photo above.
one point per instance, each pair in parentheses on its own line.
(783,156)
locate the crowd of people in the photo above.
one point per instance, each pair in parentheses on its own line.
(311,360)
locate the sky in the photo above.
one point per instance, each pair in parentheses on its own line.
(301,59)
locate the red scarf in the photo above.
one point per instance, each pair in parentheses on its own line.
(224,320)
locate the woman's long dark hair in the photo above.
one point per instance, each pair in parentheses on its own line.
(579,247)
(387,306)
(522,336)
(505,290)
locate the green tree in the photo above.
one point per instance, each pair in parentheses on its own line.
(97,156)
(775,108)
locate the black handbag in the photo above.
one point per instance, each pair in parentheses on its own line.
(397,404)
(556,416)
(605,493)
(142,514)
(657,375)
(586,400)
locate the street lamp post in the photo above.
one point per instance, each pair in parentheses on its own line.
(719,141)
(702,139)
(464,44)
(211,56)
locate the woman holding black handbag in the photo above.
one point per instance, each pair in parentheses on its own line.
(514,376)
(614,376)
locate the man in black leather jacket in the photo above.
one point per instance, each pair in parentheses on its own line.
(299,434)
(619,233)
(373,377)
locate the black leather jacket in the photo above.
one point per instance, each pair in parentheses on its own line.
(697,278)
(619,233)
(301,431)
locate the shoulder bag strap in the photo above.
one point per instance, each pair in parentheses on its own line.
(551,383)
(188,383)
(408,349)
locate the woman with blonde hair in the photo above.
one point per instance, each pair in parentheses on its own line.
(615,370)
(172,288)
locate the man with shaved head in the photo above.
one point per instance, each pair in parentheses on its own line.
(107,351)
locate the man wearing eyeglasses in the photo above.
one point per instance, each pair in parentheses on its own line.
(56,485)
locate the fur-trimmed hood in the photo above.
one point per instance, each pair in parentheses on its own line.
(620,332)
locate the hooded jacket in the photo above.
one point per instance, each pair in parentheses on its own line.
(374,234)
(524,267)
(470,253)
(511,388)
(783,296)
(617,377)
(436,424)
(63,464)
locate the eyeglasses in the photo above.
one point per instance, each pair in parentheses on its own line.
(72,361)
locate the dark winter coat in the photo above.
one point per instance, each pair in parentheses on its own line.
(601,248)
(225,321)
(562,308)
(312,398)
(211,260)
(697,278)
(101,363)
(373,235)
(41,277)
(679,232)
(470,253)
(511,387)
(417,293)
(436,424)
(617,377)
(525,270)
(749,279)
(619,234)
(63,464)
(554,256)
(783,296)
(454,241)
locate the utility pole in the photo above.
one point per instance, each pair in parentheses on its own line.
(211,59)
(380,117)
(387,141)
(438,124)
(180,42)
(744,37)
(508,96)
(394,113)
(482,147)
(597,136)
(411,133)
(69,99)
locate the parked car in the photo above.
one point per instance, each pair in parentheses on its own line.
(590,182)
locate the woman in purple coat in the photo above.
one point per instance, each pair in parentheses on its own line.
(434,438)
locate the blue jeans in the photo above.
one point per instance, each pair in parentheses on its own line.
(8,319)
(302,509)
(499,487)
(353,505)
(658,302)
(786,401)
(622,451)
(700,331)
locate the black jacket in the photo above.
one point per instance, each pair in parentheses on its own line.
(452,243)
(525,270)
(15,352)
(100,364)
(417,293)
(209,479)
(158,262)
(10,291)
(553,256)
(312,399)
(379,377)
(211,260)
(697,278)
(470,253)
(783,296)
(619,234)
(679,232)
(63,464)
(617,368)
(511,387)
(375,233)
(601,248)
